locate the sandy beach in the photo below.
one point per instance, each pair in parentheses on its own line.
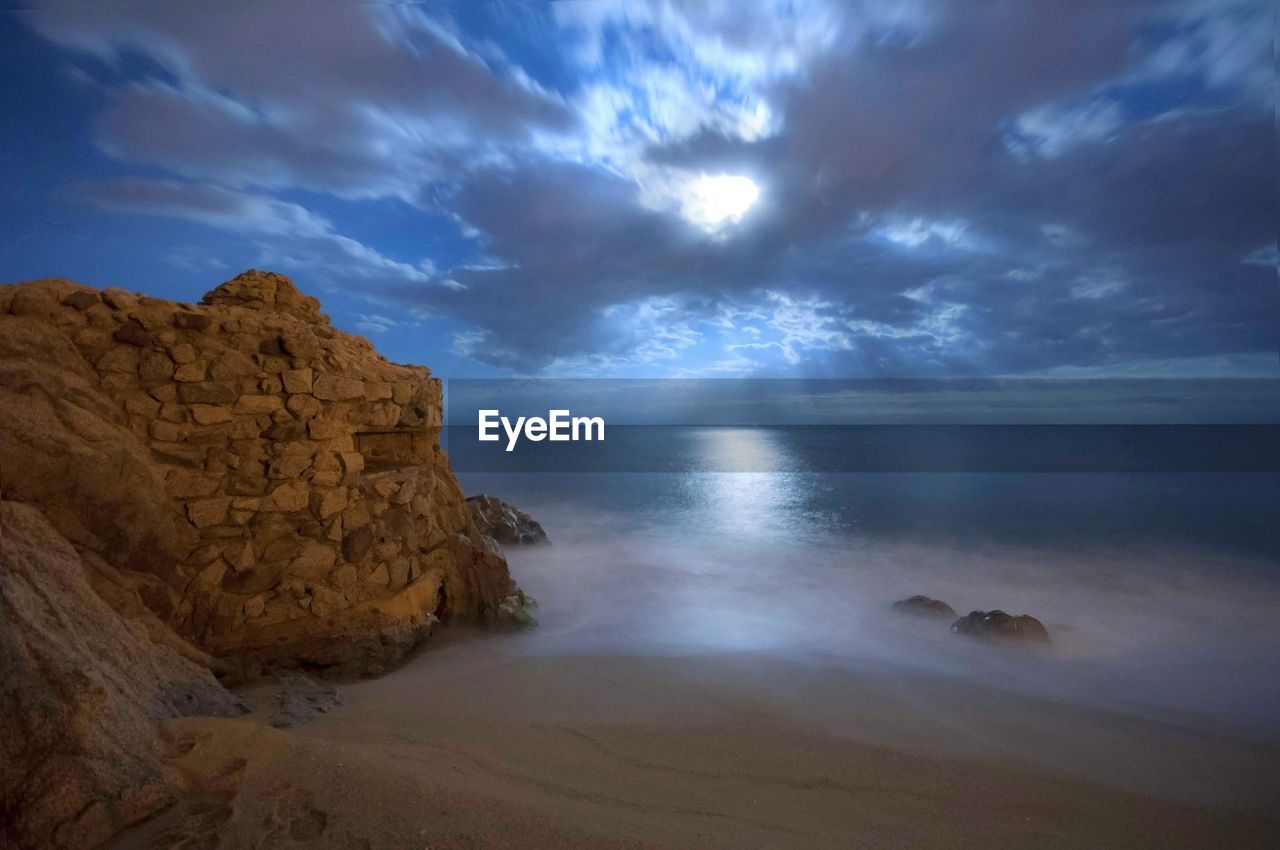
(473,744)
(685,692)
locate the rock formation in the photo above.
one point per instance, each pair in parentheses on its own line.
(923,606)
(505,523)
(235,479)
(997,625)
(80,690)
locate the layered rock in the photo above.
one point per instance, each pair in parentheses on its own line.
(273,488)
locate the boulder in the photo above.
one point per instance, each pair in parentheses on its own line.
(132,333)
(997,625)
(264,291)
(513,612)
(81,300)
(504,523)
(923,606)
(82,687)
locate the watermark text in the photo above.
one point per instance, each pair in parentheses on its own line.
(559,426)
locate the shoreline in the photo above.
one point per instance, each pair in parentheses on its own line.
(472,743)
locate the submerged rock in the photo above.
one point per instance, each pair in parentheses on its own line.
(513,612)
(505,523)
(923,606)
(301,699)
(1001,626)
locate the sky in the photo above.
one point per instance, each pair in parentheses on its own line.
(782,188)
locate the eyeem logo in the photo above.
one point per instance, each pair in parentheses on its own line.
(558,427)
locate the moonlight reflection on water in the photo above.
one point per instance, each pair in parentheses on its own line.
(1127,571)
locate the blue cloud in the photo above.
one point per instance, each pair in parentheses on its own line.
(668,189)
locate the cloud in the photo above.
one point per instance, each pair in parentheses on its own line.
(1266,256)
(1051,130)
(914,232)
(356,100)
(942,188)
(1116,261)
(1222,44)
(803,324)
(731,367)
(1101,284)
(288,234)
(377,323)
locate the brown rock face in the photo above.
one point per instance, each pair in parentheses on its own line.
(236,479)
(80,690)
(274,485)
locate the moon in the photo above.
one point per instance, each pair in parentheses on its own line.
(712,201)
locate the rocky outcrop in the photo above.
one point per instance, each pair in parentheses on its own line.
(274,487)
(505,523)
(225,485)
(997,625)
(80,690)
(923,606)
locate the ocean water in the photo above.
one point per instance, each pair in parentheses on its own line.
(1161,590)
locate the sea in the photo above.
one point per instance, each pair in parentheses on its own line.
(1160,589)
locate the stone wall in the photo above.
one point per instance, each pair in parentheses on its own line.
(274,487)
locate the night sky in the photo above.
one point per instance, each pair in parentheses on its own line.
(799,188)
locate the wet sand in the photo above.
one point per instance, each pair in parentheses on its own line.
(478,743)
